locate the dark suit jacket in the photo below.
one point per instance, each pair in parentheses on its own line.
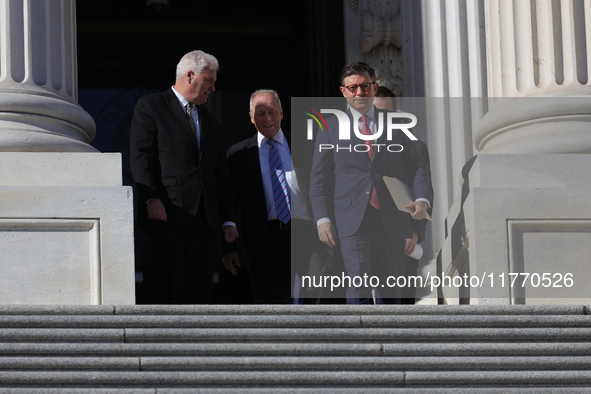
(425,153)
(245,172)
(341,182)
(166,163)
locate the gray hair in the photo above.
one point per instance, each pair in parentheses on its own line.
(196,61)
(264,91)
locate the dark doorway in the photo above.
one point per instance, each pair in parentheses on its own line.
(130,48)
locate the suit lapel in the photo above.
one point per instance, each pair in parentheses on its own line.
(252,151)
(203,128)
(379,155)
(179,113)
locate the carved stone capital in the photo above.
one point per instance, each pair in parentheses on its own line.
(376,30)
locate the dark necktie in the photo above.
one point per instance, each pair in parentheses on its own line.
(279,184)
(373,200)
(189,107)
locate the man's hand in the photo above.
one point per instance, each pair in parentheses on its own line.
(327,234)
(231,262)
(418,208)
(411,243)
(230,234)
(156,210)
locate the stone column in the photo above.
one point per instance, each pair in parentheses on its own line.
(455,81)
(38,85)
(537,48)
(524,210)
(66,221)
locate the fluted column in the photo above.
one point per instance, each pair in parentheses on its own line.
(66,231)
(38,79)
(537,48)
(455,75)
(523,207)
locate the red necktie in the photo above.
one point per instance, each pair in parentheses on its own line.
(373,200)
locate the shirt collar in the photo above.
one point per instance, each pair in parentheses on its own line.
(181,98)
(356,115)
(262,140)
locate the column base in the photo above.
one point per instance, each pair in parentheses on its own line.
(66,230)
(35,122)
(520,232)
(535,125)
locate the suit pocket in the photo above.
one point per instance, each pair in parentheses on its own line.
(342,202)
(168,181)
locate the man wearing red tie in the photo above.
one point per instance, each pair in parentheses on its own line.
(351,204)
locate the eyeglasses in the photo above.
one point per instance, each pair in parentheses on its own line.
(364,87)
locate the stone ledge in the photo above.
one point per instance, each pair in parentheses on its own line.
(227,379)
(138,335)
(294,310)
(359,390)
(290,321)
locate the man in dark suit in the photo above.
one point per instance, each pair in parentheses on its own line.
(271,208)
(350,201)
(179,167)
(385,99)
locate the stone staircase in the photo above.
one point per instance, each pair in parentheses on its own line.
(295,349)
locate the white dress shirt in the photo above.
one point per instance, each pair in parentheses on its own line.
(194,113)
(296,198)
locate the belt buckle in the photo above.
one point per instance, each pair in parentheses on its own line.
(284,226)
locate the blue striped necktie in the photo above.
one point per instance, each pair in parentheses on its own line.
(279,184)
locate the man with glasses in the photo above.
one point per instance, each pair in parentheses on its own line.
(351,204)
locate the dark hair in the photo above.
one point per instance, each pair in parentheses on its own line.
(357,68)
(384,92)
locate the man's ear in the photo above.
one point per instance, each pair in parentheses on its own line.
(251,118)
(342,89)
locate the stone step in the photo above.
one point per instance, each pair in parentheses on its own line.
(289,379)
(295,349)
(328,335)
(308,310)
(375,390)
(331,335)
(277,390)
(287,321)
(351,349)
(290,363)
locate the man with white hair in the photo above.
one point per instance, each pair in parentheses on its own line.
(272,204)
(179,167)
